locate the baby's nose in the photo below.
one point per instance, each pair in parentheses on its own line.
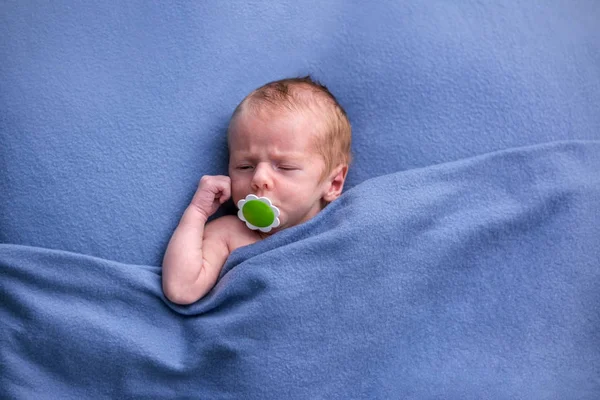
(262,178)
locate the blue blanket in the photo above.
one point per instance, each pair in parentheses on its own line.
(111,111)
(466,280)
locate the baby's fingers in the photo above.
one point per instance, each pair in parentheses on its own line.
(219,185)
(225,193)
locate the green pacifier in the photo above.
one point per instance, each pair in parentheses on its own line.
(258,213)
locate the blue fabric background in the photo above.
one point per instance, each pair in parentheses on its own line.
(458,265)
(110,112)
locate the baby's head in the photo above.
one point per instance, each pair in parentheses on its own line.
(289,140)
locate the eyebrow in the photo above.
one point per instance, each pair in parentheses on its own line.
(282,155)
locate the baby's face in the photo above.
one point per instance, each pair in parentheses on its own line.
(273,156)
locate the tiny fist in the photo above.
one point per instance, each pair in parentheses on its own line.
(215,184)
(211,193)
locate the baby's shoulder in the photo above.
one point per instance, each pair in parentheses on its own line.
(233,231)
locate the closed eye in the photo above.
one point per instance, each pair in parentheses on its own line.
(287,168)
(244,167)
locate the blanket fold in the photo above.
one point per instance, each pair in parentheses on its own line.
(473,279)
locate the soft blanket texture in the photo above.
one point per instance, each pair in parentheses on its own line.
(111,111)
(467,280)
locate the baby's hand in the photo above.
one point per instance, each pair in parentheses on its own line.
(211,193)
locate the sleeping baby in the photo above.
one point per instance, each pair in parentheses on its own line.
(289,142)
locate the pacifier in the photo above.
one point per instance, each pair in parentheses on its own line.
(258,213)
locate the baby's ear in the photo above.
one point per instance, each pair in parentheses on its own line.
(335,183)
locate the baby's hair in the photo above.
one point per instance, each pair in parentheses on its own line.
(305,94)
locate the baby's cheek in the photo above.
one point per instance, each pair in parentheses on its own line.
(239,196)
(237,191)
(298,202)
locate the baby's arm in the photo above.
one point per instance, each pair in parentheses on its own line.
(196,254)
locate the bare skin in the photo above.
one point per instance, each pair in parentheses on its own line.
(269,156)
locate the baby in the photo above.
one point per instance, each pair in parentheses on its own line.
(288,141)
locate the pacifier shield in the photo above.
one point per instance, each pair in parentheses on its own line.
(258,213)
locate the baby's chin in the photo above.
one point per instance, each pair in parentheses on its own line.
(265,235)
(276,230)
(282,226)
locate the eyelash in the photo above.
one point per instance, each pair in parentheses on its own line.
(284,168)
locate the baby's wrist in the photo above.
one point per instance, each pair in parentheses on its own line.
(195,215)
